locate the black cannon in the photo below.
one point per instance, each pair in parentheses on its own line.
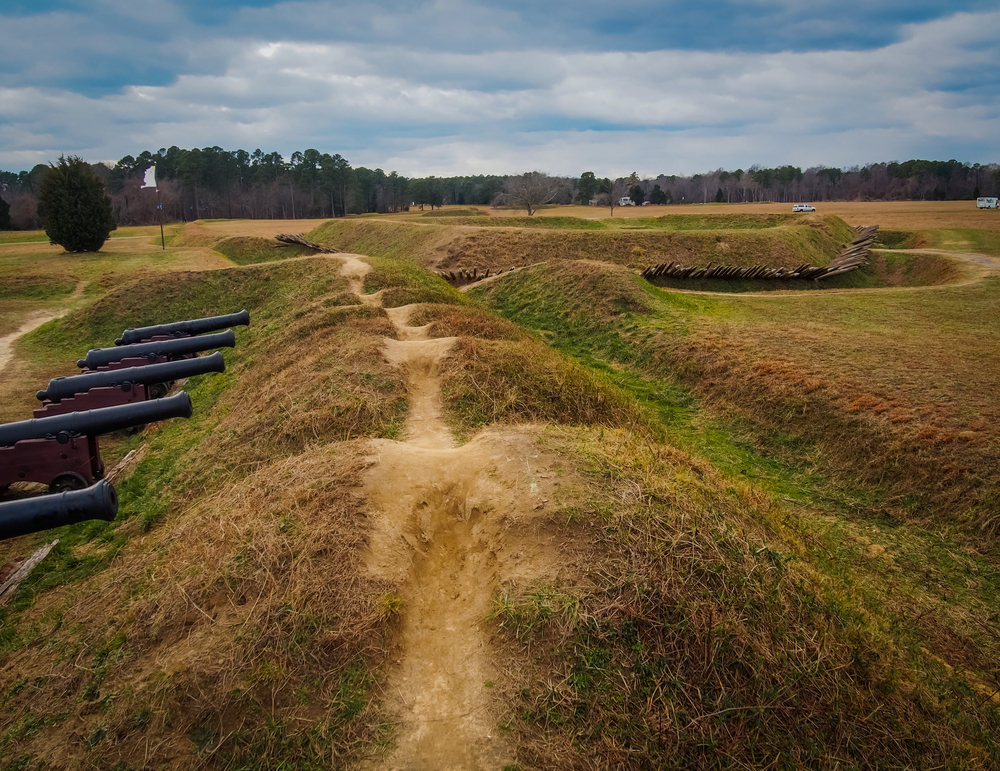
(183,328)
(92,390)
(62,451)
(156,352)
(43,512)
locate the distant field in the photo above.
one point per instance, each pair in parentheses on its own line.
(911,215)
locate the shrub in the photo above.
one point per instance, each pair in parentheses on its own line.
(75,211)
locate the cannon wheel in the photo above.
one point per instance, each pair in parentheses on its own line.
(158,390)
(64,483)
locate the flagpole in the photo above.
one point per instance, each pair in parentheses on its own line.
(149,180)
(159,216)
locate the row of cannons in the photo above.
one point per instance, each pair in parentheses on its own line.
(120,389)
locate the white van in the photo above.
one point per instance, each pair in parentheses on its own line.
(988,203)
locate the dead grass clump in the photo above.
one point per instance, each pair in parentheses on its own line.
(193,234)
(496,381)
(455,213)
(702,637)
(36,286)
(464,321)
(247,629)
(266,290)
(397,296)
(913,460)
(317,383)
(404,282)
(904,270)
(246,250)
(637,249)
(590,291)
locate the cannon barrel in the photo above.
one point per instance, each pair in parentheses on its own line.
(30,515)
(99,357)
(96,422)
(65,387)
(192,327)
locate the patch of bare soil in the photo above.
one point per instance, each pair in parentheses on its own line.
(448,526)
(32,322)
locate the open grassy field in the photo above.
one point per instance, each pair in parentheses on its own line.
(561,519)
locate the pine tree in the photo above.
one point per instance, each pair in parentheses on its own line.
(74,209)
(5,223)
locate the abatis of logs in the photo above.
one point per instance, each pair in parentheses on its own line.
(463,276)
(851,257)
(287,239)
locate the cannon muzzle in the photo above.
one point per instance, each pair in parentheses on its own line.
(100,357)
(62,428)
(66,387)
(184,328)
(30,515)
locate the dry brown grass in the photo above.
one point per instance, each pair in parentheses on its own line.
(234,633)
(499,381)
(884,425)
(502,249)
(464,321)
(324,381)
(702,636)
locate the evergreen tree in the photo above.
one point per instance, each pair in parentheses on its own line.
(75,211)
(4,215)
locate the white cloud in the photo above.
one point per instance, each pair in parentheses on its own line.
(505,111)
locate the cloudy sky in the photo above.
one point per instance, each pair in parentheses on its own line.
(461,87)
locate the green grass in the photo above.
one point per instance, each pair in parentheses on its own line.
(616,351)
(541,223)
(968,240)
(23,236)
(34,286)
(507,241)
(374,238)
(714,221)
(297,312)
(449,213)
(403,282)
(692,648)
(246,250)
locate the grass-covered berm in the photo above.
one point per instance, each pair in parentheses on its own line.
(646,606)
(222,618)
(503,242)
(890,392)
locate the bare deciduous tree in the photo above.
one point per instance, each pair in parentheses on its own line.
(529,190)
(611,193)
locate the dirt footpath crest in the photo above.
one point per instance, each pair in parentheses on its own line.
(448,526)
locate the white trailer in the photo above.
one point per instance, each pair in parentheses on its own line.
(988,203)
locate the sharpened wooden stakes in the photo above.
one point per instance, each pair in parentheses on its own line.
(850,258)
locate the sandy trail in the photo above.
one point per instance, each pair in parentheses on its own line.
(434,536)
(32,322)
(421,358)
(448,525)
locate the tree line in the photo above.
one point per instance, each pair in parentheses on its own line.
(212,182)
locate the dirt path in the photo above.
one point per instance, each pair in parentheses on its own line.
(34,321)
(448,525)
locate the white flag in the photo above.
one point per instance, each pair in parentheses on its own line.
(150,179)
